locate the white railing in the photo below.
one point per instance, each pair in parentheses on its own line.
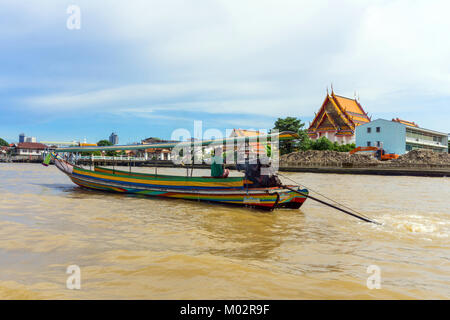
(425,142)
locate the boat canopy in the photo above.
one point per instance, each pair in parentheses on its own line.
(285,135)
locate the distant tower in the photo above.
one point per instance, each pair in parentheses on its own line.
(114,138)
(21,137)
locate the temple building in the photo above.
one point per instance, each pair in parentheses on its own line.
(337,119)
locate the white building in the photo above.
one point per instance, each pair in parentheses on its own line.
(400,136)
(30,149)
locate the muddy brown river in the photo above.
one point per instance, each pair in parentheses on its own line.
(131,247)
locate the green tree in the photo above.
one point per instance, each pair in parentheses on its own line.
(345,147)
(336,146)
(325,144)
(306,144)
(322,144)
(105,143)
(3,143)
(295,125)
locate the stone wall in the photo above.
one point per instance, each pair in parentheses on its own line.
(315,158)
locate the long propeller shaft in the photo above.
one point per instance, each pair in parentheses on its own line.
(333,206)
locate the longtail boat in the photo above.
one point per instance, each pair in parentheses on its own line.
(230,190)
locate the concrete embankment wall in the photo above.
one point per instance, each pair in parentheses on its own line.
(386,171)
(415,163)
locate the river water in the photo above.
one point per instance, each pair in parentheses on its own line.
(130,247)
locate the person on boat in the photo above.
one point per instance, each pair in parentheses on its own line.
(253,169)
(217,167)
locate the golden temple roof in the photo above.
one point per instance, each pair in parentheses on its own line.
(348,111)
(407,123)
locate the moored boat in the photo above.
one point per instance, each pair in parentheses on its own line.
(234,190)
(255,189)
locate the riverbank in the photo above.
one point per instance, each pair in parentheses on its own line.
(414,163)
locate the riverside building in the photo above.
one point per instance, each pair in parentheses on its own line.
(400,136)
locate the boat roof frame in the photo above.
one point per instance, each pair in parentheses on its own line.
(285,135)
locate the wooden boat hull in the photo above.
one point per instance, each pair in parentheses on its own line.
(230,191)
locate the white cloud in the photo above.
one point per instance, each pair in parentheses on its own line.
(261,57)
(399,47)
(154,94)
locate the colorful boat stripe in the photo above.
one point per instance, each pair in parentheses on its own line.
(183,183)
(262,199)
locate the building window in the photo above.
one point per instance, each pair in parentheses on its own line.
(378,144)
(378,129)
(369,130)
(368,143)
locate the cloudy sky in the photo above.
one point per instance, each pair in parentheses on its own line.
(144,68)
